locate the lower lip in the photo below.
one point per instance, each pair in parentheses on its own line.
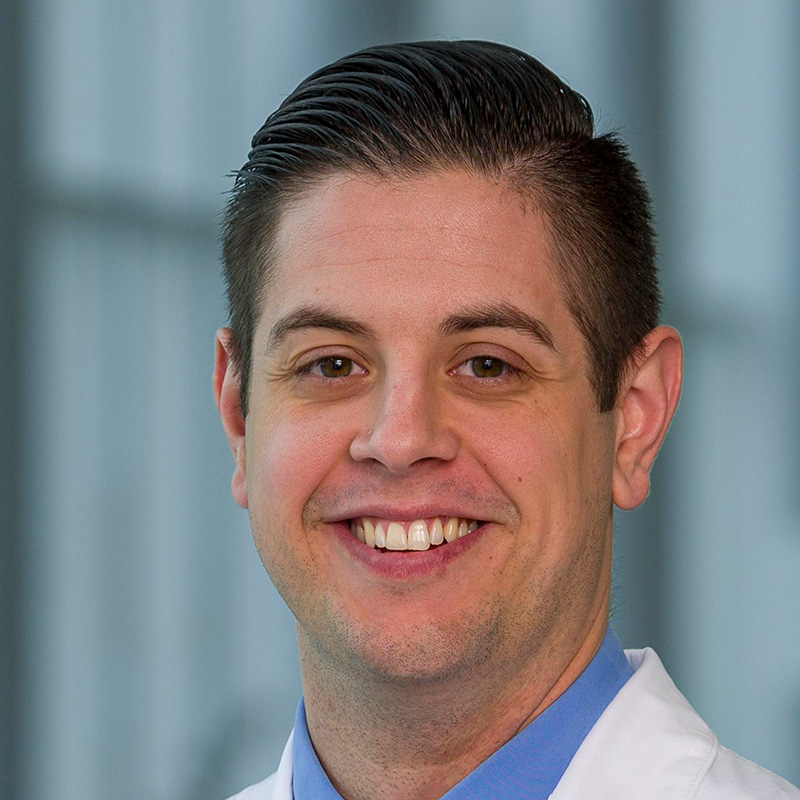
(405,564)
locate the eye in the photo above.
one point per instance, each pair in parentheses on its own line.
(486,367)
(331,367)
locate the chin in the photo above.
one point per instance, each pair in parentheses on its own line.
(410,652)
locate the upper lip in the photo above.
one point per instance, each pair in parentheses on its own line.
(407,513)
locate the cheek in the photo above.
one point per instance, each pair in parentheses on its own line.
(288,456)
(557,473)
(522,450)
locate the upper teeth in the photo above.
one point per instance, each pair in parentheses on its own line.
(417,535)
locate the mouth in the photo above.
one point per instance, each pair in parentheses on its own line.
(429,533)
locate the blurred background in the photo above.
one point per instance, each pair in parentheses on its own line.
(143,652)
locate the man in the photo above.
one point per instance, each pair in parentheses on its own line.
(444,368)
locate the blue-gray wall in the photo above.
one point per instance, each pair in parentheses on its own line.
(144,653)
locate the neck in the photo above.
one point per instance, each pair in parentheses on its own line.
(387,740)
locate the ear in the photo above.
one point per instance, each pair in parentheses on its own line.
(648,399)
(226,394)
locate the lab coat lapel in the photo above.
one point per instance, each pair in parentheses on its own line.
(649,743)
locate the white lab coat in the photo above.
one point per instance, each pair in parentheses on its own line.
(649,744)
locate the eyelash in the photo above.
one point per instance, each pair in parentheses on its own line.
(306,369)
(509,370)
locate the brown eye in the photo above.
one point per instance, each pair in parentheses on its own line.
(487,367)
(335,367)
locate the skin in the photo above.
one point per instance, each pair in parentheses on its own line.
(411,682)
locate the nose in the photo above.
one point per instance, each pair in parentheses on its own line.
(406,427)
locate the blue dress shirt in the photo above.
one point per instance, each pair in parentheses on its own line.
(528,766)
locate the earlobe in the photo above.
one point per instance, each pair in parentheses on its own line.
(647,403)
(226,394)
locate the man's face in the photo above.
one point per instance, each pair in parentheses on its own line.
(415,359)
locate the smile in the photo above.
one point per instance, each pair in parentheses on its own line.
(421,534)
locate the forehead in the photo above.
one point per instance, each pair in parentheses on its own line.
(413,247)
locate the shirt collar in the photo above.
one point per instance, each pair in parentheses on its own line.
(529,765)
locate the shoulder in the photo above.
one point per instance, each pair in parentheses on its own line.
(258,791)
(650,742)
(732,777)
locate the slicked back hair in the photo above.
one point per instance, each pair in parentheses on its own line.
(409,109)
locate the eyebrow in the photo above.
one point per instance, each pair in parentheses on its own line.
(315,317)
(491,315)
(499,315)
